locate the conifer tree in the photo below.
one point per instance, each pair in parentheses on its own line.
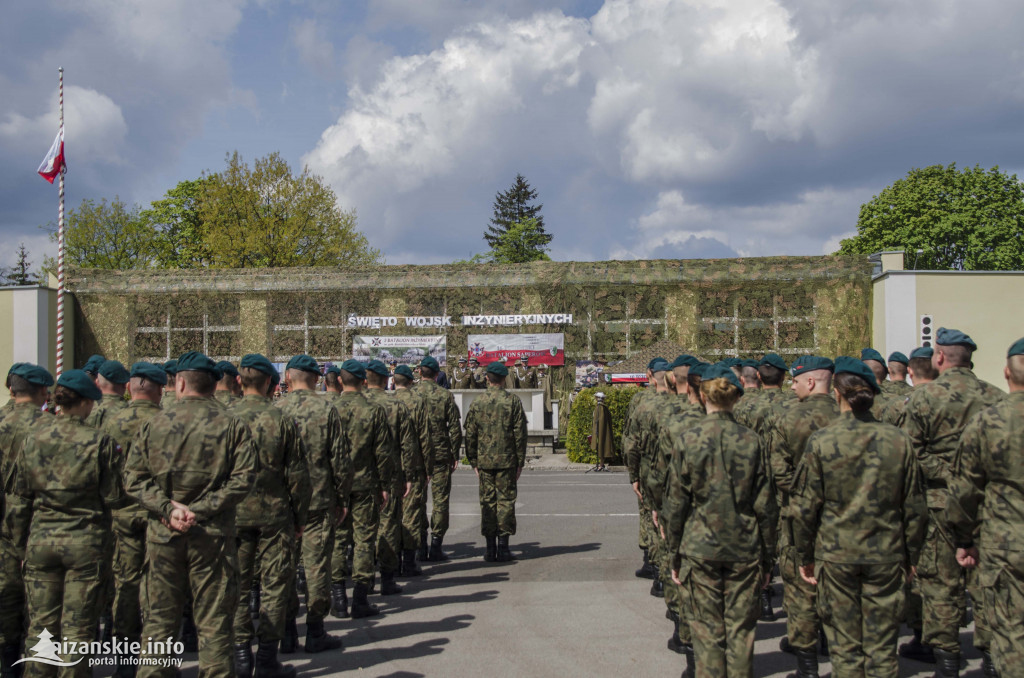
(514,207)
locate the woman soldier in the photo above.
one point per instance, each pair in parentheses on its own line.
(859,518)
(68,477)
(720,522)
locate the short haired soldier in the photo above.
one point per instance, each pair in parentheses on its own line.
(414,506)
(228,388)
(112,380)
(897,382)
(170,395)
(341,557)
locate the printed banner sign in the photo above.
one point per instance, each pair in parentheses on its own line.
(405,349)
(640,378)
(535,349)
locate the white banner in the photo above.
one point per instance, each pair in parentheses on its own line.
(536,349)
(405,349)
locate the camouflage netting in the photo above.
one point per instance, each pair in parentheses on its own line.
(637,363)
(711,307)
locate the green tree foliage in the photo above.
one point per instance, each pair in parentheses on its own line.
(945,218)
(21,273)
(514,207)
(182,232)
(107,235)
(581,420)
(524,241)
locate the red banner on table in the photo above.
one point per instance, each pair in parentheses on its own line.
(535,349)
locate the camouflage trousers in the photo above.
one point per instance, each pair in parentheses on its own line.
(799,601)
(674,593)
(1002,577)
(723,616)
(440,495)
(414,513)
(317,548)
(389,534)
(129,568)
(860,608)
(365,510)
(12,594)
(643,532)
(62,586)
(498,491)
(941,585)
(206,566)
(982,629)
(341,563)
(266,553)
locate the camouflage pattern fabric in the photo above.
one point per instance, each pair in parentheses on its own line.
(414,506)
(225,398)
(169,398)
(745,408)
(645,528)
(496,447)
(365,508)
(318,548)
(498,492)
(895,389)
(446,444)
(270,548)
(405,449)
(340,562)
(723,615)
(108,405)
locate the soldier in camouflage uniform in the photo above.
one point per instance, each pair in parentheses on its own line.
(720,519)
(751,381)
(112,381)
(859,516)
(170,395)
(496,449)
(462,376)
(897,386)
(414,504)
(228,389)
(446,439)
(919,365)
(329,464)
(92,365)
(129,520)
(364,428)
(189,467)
(28,384)
(936,414)
(268,521)
(341,557)
(812,380)
(405,447)
(988,471)
(67,478)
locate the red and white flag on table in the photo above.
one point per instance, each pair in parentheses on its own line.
(53,163)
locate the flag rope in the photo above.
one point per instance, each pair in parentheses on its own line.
(60,245)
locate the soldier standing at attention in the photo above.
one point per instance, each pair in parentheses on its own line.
(988,471)
(921,371)
(269,521)
(170,395)
(414,504)
(228,388)
(876,363)
(632,459)
(936,415)
(130,519)
(747,405)
(67,478)
(478,380)
(112,380)
(329,466)
(519,375)
(462,376)
(341,557)
(544,381)
(897,384)
(859,517)
(720,518)
(812,383)
(601,439)
(28,384)
(496,449)
(92,365)
(446,439)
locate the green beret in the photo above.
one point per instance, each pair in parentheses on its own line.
(114,372)
(498,368)
(684,360)
(171,367)
(260,363)
(749,363)
(33,374)
(731,362)
(227,369)
(659,365)
(946,337)
(811,363)
(699,369)
(355,368)
(14,367)
(650,365)
(922,352)
(431,363)
(93,363)
(1016,348)
(405,371)
(722,371)
(81,383)
(848,365)
(303,362)
(897,357)
(377,367)
(774,360)
(333,369)
(149,371)
(194,361)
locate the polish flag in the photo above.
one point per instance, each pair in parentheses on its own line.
(53,163)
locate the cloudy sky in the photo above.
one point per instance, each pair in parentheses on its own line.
(650,128)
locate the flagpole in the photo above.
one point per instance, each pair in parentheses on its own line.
(60,244)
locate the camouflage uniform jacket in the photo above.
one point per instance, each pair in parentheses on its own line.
(718,502)
(858,495)
(364,426)
(226,398)
(629,434)
(15,427)
(641,446)
(423,463)
(788,438)
(198,455)
(280,496)
(496,431)
(404,440)
(745,409)
(770,401)
(168,399)
(122,427)
(105,408)
(895,410)
(895,389)
(328,458)
(936,415)
(445,423)
(68,476)
(669,444)
(989,471)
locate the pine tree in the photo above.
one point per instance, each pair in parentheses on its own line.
(20,273)
(513,207)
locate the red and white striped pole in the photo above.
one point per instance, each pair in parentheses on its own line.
(60,245)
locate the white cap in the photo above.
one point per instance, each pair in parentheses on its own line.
(599,394)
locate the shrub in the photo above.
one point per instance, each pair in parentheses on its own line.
(581,420)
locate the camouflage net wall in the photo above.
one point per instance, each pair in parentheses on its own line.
(719,307)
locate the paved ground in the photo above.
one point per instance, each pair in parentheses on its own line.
(569,606)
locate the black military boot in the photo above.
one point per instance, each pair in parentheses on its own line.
(106,633)
(504,554)
(807,663)
(436,552)
(409,566)
(646,571)
(300,581)
(317,639)
(988,669)
(9,654)
(657,587)
(267,665)
(671,615)
(675,643)
(254,601)
(243,660)
(917,650)
(290,641)
(339,600)
(388,587)
(822,643)
(360,606)
(189,635)
(691,663)
(491,552)
(124,668)
(786,646)
(947,664)
(767,613)
(421,552)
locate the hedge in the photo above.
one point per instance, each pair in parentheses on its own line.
(581,420)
